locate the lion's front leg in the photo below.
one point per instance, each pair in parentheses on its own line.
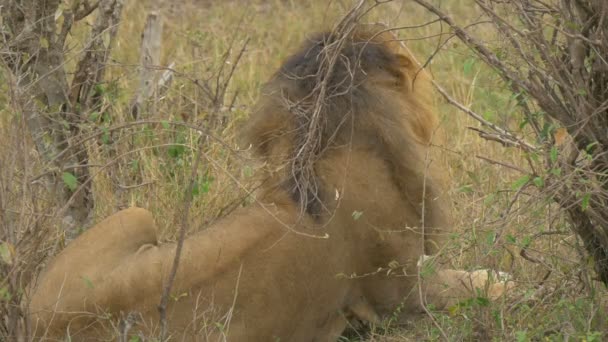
(446,288)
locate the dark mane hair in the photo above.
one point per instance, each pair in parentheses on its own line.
(359,56)
(337,90)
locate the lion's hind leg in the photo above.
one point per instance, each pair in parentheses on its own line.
(64,290)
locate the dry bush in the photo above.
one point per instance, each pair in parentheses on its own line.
(552,57)
(549,55)
(68,138)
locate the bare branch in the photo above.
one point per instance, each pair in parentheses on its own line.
(559,67)
(87,8)
(184,214)
(505,136)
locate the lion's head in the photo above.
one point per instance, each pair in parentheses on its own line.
(362,89)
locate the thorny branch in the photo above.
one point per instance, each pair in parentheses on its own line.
(558,72)
(503,136)
(162,307)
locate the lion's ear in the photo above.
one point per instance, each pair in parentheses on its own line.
(404,61)
(402,71)
(414,78)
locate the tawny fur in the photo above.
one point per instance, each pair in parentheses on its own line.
(258,275)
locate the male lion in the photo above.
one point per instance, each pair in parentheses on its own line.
(347,211)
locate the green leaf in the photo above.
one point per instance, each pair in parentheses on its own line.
(548,129)
(202,185)
(534,156)
(195,189)
(585,201)
(70,180)
(65,124)
(482,301)
(94,116)
(468,66)
(176,151)
(590,147)
(134,165)
(87,282)
(520,182)
(106,117)
(100,89)
(511,239)
(341,276)
(427,269)
(539,182)
(5,293)
(44,43)
(465,189)
(58,12)
(553,154)
(521,336)
(5,253)
(179,296)
(105,137)
(556,171)
(500,54)
(488,115)
(165,124)
(473,176)
(489,199)
(526,242)
(490,238)
(219,325)
(206,186)
(595,336)
(357,215)
(247,171)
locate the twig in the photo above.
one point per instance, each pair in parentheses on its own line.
(86,10)
(162,307)
(220,91)
(98,133)
(88,180)
(524,250)
(494,137)
(496,162)
(422,224)
(135,186)
(476,45)
(231,73)
(510,136)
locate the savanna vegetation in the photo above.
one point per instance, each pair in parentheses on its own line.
(520,179)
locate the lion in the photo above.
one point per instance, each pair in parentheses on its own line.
(349,207)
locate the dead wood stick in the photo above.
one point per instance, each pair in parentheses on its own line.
(149,58)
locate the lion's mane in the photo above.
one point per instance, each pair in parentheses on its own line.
(360,89)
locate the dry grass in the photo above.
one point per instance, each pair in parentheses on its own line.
(555,299)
